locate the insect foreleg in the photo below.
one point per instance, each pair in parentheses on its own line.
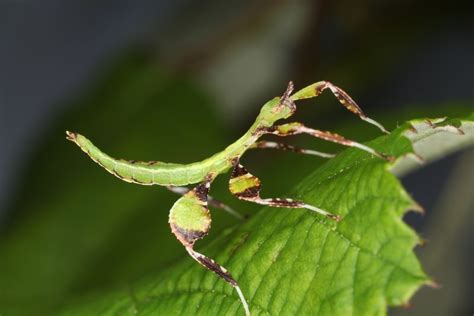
(283,146)
(317,88)
(210,200)
(296,128)
(245,186)
(190,221)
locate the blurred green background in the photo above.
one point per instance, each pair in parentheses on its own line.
(179,80)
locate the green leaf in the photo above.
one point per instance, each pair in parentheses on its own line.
(433,139)
(293,262)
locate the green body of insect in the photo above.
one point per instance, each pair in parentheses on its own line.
(189,217)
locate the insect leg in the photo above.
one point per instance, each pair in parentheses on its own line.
(190,221)
(296,128)
(283,146)
(210,200)
(317,88)
(220,271)
(245,186)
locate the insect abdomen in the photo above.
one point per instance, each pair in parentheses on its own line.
(139,172)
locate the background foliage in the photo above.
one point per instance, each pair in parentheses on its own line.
(184,89)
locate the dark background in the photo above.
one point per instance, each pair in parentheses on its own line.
(60,61)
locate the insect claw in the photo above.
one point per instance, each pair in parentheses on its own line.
(389,158)
(337,218)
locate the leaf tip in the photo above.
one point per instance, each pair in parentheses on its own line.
(417,208)
(433,284)
(423,241)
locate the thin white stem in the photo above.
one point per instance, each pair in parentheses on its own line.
(230,210)
(317,153)
(371,121)
(242,299)
(322,212)
(368,149)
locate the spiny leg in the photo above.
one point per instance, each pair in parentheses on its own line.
(245,186)
(296,128)
(317,88)
(190,221)
(211,201)
(282,146)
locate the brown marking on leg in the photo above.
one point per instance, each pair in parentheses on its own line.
(212,265)
(249,193)
(344,99)
(238,171)
(187,236)
(201,191)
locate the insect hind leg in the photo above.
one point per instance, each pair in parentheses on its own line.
(245,186)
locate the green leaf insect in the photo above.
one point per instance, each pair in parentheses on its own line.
(189,217)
